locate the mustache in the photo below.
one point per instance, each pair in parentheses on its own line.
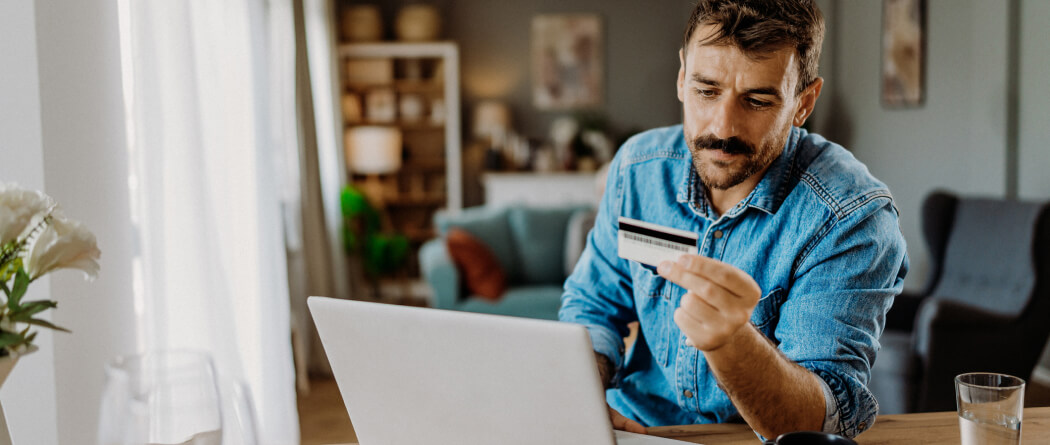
(733,145)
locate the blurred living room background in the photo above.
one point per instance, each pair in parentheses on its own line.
(236,157)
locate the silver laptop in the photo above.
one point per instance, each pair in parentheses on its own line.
(426,376)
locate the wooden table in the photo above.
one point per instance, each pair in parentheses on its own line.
(922,428)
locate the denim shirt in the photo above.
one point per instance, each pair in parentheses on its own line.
(818,234)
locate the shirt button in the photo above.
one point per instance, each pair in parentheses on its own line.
(862,426)
(718,234)
(688,394)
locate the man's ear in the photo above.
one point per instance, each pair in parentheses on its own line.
(807,100)
(681,76)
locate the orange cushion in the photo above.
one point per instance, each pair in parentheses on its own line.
(477,265)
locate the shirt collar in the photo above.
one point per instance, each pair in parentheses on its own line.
(767,196)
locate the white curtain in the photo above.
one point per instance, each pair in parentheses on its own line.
(210,93)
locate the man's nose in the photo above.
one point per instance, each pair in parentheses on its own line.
(724,119)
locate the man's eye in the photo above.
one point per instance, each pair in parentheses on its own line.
(755,103)
(705,93)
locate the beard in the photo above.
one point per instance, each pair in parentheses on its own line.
(723,175)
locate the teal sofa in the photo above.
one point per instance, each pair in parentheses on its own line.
(536,247)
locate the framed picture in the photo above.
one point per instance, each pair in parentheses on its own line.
(567,61)
(903,52)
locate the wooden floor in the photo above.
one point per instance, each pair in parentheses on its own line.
(322,415)
(323,419)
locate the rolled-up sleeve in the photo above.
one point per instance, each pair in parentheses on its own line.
(833,317)
(598,292)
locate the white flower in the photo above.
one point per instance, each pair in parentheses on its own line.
(20,210)
(65,244)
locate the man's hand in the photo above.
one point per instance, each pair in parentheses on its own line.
(718,302)
(624,424)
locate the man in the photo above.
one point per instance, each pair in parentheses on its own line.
(776,321)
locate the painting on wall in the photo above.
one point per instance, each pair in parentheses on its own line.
(567,61)
(903,52)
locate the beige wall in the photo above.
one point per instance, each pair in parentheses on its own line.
(28,395)
(85,169)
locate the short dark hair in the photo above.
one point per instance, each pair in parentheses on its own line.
(763,26)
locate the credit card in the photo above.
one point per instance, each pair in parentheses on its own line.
(651,244)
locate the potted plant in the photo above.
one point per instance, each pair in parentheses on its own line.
(35,239)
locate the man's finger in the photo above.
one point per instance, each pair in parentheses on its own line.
(726,275)
(717,295)
(623,423)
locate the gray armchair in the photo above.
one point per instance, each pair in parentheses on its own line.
(986,306)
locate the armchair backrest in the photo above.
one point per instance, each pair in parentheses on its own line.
(989,307)
(989,258)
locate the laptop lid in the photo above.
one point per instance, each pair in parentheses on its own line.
(426,376)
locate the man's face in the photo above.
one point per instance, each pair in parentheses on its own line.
(738,110)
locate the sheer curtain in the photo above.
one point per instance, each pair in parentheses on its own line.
(211,105)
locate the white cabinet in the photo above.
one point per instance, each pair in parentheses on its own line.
(541,189)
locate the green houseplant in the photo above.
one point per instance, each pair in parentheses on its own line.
(364,238)
(35,239)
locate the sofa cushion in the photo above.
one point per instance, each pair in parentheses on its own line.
(488,224)
(539,236)
(479,268)
(542,302)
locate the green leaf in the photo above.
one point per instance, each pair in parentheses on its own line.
(46,324)
(30,308)
(9,339)
(19,288)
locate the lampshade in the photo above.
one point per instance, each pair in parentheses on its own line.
(373,149)
(491,120)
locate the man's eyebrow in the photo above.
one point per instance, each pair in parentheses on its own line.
(767,91)
(699,78)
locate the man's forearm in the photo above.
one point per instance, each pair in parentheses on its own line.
(605,369)
(772,393)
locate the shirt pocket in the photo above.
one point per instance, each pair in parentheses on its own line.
(656,300)
(767,311)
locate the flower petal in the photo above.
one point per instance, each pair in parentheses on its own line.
(65,244)
(20,210)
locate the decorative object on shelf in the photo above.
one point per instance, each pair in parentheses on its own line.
(563,132)
(361,23)
(903,52)
(567,61)
(437,111)
(581,142)
(491,121)
(381,105)
(418,22)
(410,106)
(35,239)
(351,105)
(369,72)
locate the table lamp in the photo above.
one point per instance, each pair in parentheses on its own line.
(373,150)
(491,121)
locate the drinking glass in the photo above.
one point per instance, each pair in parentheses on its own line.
(161,398)
(990,408)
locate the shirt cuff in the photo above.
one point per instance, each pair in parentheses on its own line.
(607,343)
(831,409)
